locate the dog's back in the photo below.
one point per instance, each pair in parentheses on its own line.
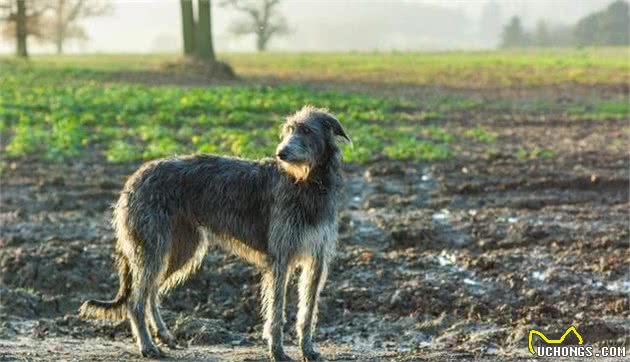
(201,191)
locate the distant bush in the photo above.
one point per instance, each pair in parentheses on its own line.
(513,34)
(606,27)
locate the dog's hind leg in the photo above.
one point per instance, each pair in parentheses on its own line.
(273,292)
(311,282)
(184,257)
(157,323)
(146,274)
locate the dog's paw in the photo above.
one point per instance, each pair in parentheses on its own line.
(310,355)
(279,356)
(169,340)
(152,351)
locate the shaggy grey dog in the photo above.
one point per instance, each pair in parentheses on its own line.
(276,213)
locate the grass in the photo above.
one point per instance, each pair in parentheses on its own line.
(602,109)
(57,114)
(60,107)
(481,134)
(456,69)
(478,69)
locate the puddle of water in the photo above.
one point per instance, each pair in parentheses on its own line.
(492,350)
(445,259)
(619,286)
(442,215)
(358,188)
(471,282)
(359,344)
(509,220)
(364,225)
(597,284)
(424,188)
(476,287)
(407,271)
(539,275)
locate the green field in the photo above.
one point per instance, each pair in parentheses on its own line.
(57,114)
(475,69)
(58,107)
(456,69)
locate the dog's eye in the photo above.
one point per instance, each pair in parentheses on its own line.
(306,130)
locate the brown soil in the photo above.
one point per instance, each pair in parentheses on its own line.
(447,260)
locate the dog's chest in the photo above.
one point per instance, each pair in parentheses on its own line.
(319,240)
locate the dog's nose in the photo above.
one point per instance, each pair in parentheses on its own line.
(282,155)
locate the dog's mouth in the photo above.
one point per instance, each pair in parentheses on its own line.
(298,170)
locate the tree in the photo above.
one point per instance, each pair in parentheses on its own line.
(513,34)
(607,27)
(64,16)
(23,18)
(48,21)
(541,37)
(20,29)
(585,31)
(615,24)
(197,34)
(205,48)
(188,27)
(262,20)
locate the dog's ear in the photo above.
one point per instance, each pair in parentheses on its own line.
(337,129)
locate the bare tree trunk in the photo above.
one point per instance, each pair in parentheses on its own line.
(188,27)
(59,27)
(210,40)
(260,43)
(20,30)
(204,34)
(59,45)
(261,40)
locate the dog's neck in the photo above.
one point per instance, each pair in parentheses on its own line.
(326,175)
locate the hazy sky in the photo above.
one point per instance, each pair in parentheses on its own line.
(323,25)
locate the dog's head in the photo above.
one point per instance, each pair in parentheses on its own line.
(308,138)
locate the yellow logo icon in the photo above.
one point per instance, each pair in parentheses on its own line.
(552,341)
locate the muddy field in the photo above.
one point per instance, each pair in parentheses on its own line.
(455,259)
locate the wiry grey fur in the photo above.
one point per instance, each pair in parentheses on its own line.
(276,213)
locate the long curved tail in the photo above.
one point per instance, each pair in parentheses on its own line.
(114,309)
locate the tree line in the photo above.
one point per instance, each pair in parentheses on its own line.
(57,21)
(47,21)
(610,26)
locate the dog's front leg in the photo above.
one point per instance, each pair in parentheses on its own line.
(312,280)
(273,290)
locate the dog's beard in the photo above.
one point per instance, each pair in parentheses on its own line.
(299,171)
